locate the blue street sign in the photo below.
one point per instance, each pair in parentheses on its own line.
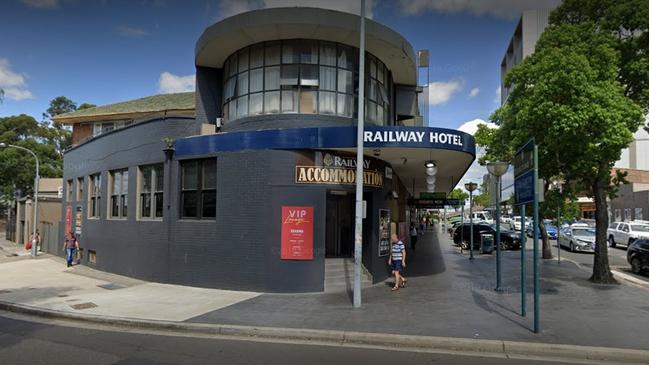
(524,188)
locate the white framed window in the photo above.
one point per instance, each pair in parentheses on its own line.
(151,191)
(118,192)
(94,195)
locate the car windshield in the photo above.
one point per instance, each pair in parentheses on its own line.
(583,232)
(640,227)
(486,216)
(517,219)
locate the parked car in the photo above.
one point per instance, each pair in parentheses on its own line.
(637,255)
(550,229)
(482,216)
(505,219)
(578,238)
(515,223)
(509,240)
(624,233)
(452,228)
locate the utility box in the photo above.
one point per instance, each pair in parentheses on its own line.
(487,245)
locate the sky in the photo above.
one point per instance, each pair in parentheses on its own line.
(105,51)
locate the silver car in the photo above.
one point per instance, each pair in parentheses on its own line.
(578,238)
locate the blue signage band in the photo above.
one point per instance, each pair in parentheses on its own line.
(327,137)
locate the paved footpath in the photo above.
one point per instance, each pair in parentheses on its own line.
(447,295)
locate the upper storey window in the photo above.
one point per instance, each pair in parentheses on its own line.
(305,77)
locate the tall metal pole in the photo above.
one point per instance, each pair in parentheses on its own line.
(498,267)
(523,264)
(358,242)
(558,231)
(537,288)
(471,220)
(36,183)
(462,226)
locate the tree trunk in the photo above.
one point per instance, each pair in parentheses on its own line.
(601,271)
(547,250)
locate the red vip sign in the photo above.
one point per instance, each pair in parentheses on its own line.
(68,220)
(297,233)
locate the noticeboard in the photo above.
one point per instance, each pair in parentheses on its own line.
(384,232)
(524,159)
(524,183)
(297,233)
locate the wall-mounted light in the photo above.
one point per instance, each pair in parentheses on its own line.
(430,163)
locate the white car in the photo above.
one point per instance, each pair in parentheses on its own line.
(482,216)
(505,219)
(515,223)
(624,233)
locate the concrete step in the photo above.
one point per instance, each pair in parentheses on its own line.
(339,275)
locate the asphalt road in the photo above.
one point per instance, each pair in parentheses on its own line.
(23,342)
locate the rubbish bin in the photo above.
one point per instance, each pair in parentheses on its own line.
(487,245)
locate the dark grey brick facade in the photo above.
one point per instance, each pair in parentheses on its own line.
(240,249)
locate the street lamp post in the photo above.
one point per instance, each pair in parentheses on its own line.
(498,169)
(557,186)
(36,182)
(471,186)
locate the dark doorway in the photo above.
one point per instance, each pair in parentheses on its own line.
(340,225)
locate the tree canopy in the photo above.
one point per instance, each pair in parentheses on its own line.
(572,97)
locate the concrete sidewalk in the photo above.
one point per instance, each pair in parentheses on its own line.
(447,295)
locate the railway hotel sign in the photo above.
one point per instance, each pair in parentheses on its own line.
(338,169)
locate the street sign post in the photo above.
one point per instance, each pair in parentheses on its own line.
(526,190)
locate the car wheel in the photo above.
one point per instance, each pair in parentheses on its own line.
(611,242)
(636,268)
(572,247)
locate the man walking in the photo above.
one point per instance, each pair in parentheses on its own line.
(397,260)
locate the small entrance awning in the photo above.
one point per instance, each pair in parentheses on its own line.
(406,149)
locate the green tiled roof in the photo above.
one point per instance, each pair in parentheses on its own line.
(149,104)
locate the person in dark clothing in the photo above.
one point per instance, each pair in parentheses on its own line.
(71,245)
(413,236)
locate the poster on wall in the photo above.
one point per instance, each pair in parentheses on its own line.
(297,233)
(77,223)
(68,219)
(384,232)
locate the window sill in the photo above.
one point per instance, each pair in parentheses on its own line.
(206,220)
(117,219)
(149,219)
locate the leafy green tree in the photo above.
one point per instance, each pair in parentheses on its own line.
(567,95)
(86,106)
(59,134)
(484,198)
(17,167)
(628,22)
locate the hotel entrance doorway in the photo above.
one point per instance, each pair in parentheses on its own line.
(339,237)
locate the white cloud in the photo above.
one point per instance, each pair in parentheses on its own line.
(13,83)
(42,4)
(507,9)
(475,171)
(232,7)
(498,97)
(474,92)
(442,91)
(132,32)
(471,126)
(169,83)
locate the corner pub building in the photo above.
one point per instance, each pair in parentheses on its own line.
(248,183)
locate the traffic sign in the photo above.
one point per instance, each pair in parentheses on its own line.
(524,158)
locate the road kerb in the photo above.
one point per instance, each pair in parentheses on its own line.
(466,346)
